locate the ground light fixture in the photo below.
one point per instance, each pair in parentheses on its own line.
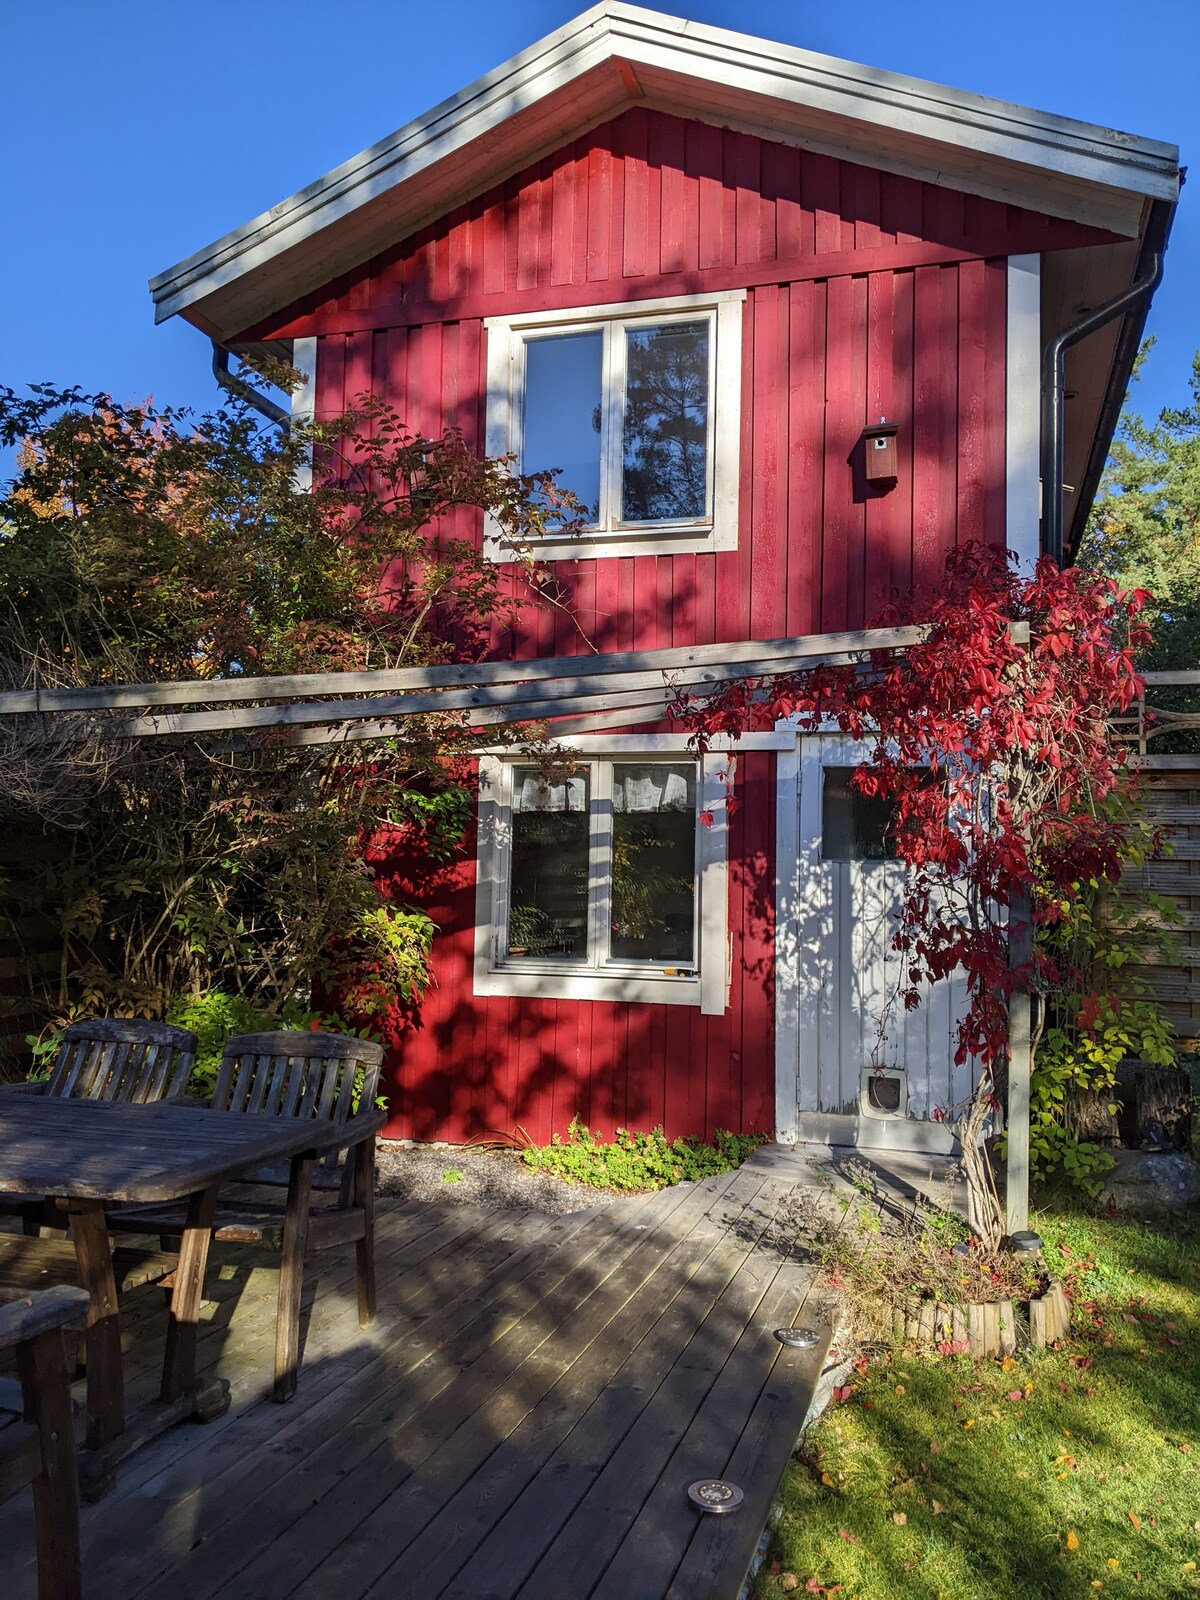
(798,1338)
(714,1496)
(1025,1243)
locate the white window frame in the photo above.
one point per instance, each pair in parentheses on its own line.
(718,529)
(706,985)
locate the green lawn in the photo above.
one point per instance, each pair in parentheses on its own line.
(1070,1473)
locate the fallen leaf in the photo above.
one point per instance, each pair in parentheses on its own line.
(900,1388)
(1189,1566)
(789,1581)
(1112,1564)
(1015,1394)
(899,1518)
(969,1423)
(827,1480)
(1136,1520)
(1072,1540)
(849,1537)
(813,1586)
(938,1507)
(935,1447)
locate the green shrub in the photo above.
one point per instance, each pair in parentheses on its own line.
(638,1161)
(216,1017)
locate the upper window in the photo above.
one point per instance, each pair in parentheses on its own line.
(637,407)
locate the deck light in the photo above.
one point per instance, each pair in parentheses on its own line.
(1025,1243)
(798,1338)
(715,1496)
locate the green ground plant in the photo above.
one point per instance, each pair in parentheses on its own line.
(633,1162)
(1072,1474)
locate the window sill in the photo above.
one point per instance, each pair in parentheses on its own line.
(646,541)
(557,983)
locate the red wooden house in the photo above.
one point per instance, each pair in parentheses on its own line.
(693,269)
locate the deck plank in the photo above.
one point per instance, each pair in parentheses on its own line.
(518,1422)
(590,1538)
(704,1266)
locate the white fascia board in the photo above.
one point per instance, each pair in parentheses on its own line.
(895,102)
(800,81)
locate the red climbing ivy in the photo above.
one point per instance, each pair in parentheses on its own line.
(1009,785)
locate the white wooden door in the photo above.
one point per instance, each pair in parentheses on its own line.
(837,976)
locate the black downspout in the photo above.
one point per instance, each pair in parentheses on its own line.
(244,391)
(1053,401)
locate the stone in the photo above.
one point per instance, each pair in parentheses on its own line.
(1150,1181)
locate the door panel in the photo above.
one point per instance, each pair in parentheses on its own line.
(837,969)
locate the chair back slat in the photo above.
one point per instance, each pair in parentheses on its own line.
(327,1073)
(152,1080)
(310,1076)
(66,1070)
(119,1058)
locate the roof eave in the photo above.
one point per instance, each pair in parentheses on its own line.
(616,55)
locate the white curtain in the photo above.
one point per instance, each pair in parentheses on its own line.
(654,787)
(531,792)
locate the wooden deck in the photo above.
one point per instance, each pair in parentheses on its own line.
(523,1420)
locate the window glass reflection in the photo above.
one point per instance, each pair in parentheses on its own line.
(563,395)
(665,438)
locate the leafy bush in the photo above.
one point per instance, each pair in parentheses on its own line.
(216,1017)
(638,1161)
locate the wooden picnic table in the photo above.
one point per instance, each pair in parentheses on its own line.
(89,1153)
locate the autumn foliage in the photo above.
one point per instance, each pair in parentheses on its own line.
(1008,783)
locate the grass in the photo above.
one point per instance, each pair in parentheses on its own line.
(1069,1473)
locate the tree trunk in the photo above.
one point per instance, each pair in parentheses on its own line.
(1088,1118)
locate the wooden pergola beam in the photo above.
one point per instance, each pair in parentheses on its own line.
(400,680)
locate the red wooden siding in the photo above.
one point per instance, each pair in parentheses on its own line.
(869,296)
(471,1066)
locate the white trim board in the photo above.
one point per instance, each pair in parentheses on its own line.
(618,55)
(304,400)
(1022,420)
(845,1131)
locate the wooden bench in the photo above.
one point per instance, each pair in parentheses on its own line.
(28,1265)
(37,1446)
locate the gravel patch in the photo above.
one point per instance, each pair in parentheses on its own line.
(455,1173)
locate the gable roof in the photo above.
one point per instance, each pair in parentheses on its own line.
(618,55)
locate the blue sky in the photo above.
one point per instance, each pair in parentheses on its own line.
(138,131)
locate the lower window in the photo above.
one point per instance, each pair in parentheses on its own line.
(601,882)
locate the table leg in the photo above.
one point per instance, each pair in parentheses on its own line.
(179,1360)
(102,1329)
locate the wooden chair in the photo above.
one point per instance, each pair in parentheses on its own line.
(108,1058)
(119,1058)
(37,1445)
(331,1080)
